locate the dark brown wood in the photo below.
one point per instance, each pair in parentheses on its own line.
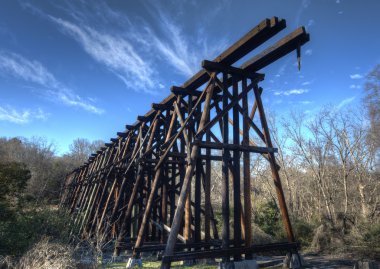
(138,187)
(276,176)
(225,180)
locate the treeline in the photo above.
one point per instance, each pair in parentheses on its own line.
(330,172)
(47,170)
(31,178)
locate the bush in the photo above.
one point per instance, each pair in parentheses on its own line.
(268,218)
(23,229)
(372,235)
(303,232)
(48,255)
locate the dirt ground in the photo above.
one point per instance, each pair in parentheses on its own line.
(330,261)
(271,262)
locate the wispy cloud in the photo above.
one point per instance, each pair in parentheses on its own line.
(114,52)
(309,52)
(355,86)
(306,102)
(10,114)
(161,86)
(304,5)
(345,102)
(356,76)
(305,83)
(310,23)
(33,71)
(291,92)
(182,52)
(281,69)
(133,50)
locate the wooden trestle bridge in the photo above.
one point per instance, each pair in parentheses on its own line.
(149,189)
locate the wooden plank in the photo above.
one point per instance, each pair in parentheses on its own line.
(226,146)
(222,253)
(219,67)
(183,91)
(281,48)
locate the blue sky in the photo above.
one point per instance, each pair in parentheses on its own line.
(71,69)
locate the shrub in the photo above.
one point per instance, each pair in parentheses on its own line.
(372,235)
(268,218)
(23,229)
(303,232)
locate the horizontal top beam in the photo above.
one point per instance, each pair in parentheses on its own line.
(253,39)
(281,48)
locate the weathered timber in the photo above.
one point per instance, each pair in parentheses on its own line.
(151,187)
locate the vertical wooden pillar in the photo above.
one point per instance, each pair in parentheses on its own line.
(153,190)
(164,199)
(236,171)
(275,175)
(197,200)
(172,193)
(225,181)
(246,174)
(186,182)
(207,188)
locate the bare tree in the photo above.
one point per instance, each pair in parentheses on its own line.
(372,103)
(82,148)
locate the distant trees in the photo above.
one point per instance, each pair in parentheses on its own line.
(338,164)
(328,170)
(47,170)
(372,103)
(82,148)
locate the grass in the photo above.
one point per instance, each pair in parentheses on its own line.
(157,264)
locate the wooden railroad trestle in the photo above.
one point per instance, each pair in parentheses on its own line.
(152,184)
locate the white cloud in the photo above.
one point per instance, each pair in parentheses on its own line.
(281,70)
(304,5)
(345,102)
(130,50)
(10,114)
(161,86)
(309,52)
(355,86)
(356,76)
(306,83)
(291,92)
(183,53)
(311,22)
(114,52)
(33,71)
(306,102)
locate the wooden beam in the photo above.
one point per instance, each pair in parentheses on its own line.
(219,67)
(286,45)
